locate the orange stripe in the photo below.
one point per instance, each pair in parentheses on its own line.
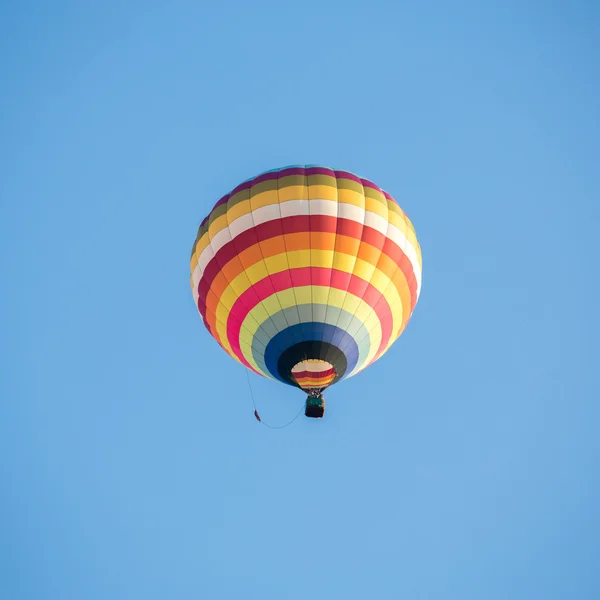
(321,240)
(368,253)
(250,256)
(347,245)
(297,241)
(253,255)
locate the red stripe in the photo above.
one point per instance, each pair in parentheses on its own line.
(305,223)
(350,228)
(313,374)
(264,288)
(370,184)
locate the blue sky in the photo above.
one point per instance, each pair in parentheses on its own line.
(462,465)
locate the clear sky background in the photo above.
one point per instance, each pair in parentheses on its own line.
(462,465)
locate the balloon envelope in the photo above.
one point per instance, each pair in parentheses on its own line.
(305,274)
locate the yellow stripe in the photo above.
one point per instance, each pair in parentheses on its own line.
(394,208)
(238,210)
(217,225)
(377,205)
(200,246)
(319,295)
(293,192)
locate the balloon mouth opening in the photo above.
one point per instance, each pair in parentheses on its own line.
(313,374)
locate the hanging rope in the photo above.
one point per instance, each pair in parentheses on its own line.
(257,416)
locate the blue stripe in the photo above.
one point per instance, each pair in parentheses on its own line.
(309,332)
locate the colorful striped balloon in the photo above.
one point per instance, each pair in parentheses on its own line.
(306,274)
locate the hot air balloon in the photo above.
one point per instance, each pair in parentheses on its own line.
(306,275)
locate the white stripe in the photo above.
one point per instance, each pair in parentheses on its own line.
(323,207)
(376,222)
(196,276)
(312,365)
(205,258)
(351,212)
(266,213)
(401,240)
(220,239)
(241,224)
(294,208)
